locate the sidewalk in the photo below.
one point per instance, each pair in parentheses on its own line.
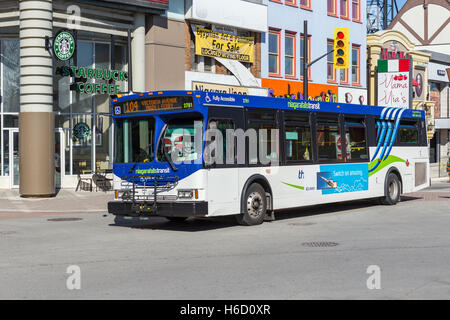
(67,201)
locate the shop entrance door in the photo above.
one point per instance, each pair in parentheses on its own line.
(13,153)
(59,158)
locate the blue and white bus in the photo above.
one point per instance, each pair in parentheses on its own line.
(305,153)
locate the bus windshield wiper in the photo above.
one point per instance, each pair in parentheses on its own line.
(169,160)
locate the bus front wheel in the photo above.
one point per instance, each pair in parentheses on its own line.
(255,206)
(392,190)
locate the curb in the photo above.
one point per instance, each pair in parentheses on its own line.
(444,179)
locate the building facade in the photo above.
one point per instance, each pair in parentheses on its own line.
(439,93)
(55,120)
(393,45)
(282,49)
(426,24)
(223,42)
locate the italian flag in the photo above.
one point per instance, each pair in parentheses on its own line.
(398,65)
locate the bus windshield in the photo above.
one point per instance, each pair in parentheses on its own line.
(178,141)
(134,139)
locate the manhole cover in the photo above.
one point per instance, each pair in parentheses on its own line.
(6,233)
(320,244)
(64,219)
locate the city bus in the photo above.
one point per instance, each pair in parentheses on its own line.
(180,154)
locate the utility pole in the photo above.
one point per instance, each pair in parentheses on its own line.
(306,65)
(305,59)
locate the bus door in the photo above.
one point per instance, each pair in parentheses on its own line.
(222,171)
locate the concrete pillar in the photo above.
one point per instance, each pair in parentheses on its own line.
(36,119)
(138,53)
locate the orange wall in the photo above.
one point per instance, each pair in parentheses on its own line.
(285,88)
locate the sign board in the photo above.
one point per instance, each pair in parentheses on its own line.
(156,4)
(154,104)
(394,83)
(93,81)
(248,15)
(64,45)
(352,95)
(294,89)
(218,88)
(215,44)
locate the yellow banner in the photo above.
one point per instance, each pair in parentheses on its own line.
(215,44)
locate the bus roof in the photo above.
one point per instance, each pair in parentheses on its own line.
(211,99)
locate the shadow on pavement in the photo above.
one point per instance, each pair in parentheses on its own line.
(410,198)
(206,224)
(190,225)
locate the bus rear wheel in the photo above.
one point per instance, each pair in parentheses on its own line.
(255,206)
(392,190)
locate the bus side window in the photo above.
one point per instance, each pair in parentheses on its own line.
(356,142)
(221,125)
(266,151)
(408,133)
(297,137)
(328,139)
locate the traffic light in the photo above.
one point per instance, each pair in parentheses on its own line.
(341,50)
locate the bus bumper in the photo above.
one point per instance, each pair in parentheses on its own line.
(162,209)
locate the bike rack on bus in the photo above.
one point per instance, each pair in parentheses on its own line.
(159,183)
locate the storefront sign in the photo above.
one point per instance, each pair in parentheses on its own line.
(294,89)
(394,50)
(158,4)
(154,104)
(419,77)
(352,95)
(81,131)
(210,87)
(64,45)
(394,83)
(215,44)
(90,87)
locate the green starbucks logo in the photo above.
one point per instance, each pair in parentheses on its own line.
(64,45)
(81,131)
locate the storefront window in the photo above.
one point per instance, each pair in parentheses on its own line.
(6,153)
(120,57)
(81,102)
(63,121)
(11,75)
(102,61)
(11,121)
(82,142)
(61,87)
(85,118)
(104,141)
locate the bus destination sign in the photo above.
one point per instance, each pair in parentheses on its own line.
(154,104)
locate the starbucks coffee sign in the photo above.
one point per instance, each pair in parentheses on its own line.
(85,80)
(64,45)
(94,81)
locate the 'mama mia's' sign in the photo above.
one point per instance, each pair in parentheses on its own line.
(394,83)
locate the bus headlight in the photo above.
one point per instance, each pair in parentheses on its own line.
(185,194)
